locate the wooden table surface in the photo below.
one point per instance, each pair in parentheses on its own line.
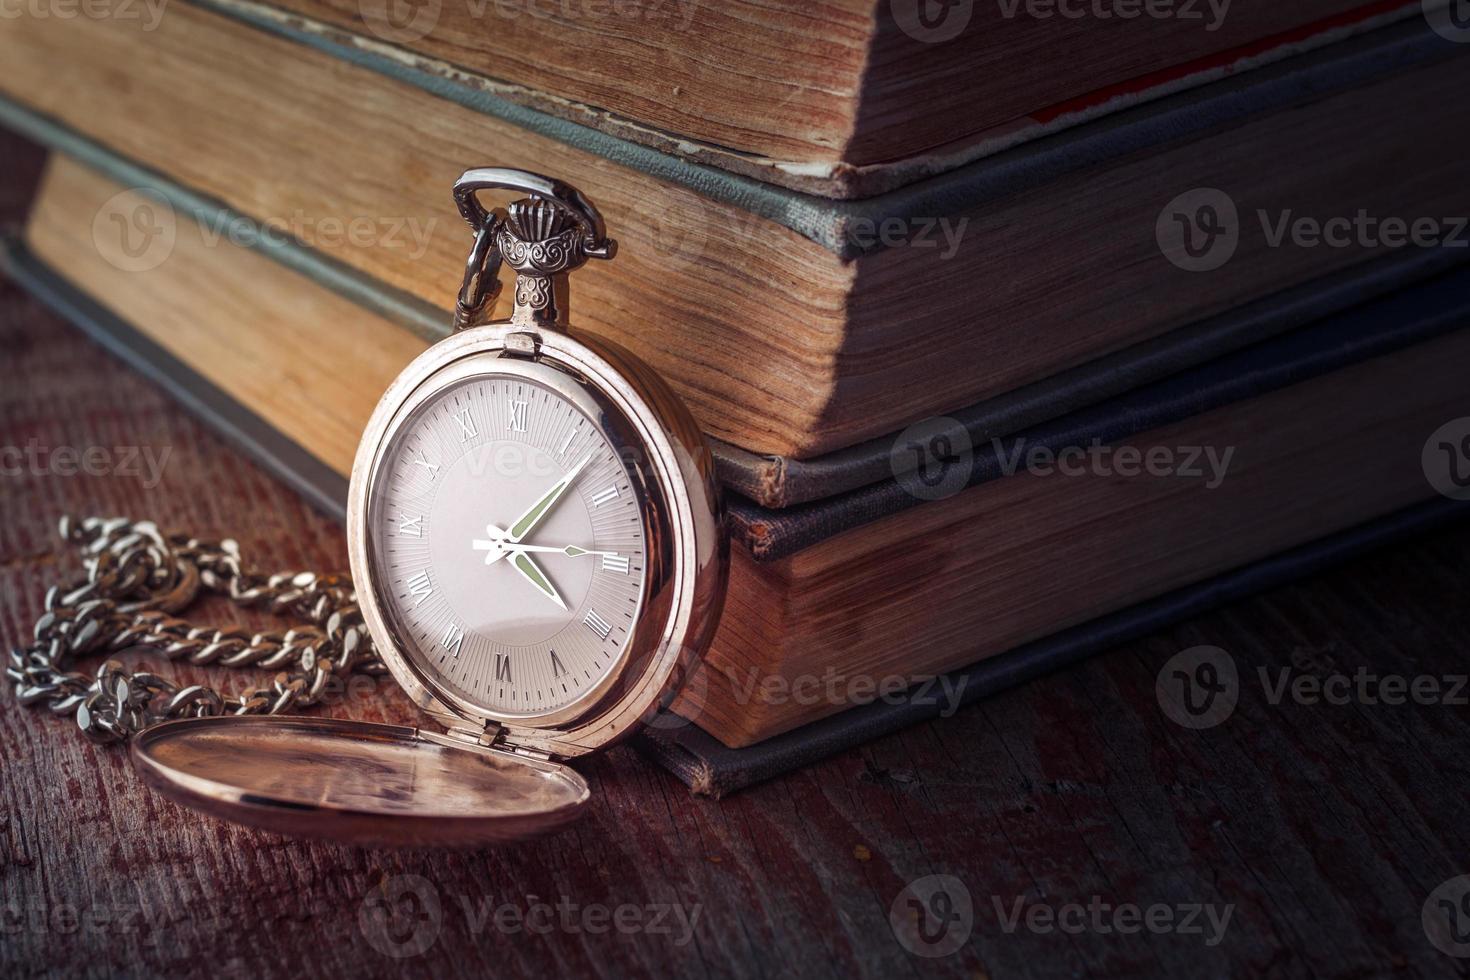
(1295,839)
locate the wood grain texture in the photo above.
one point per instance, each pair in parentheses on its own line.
(1324,828)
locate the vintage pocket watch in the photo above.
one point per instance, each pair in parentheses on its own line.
(536,540)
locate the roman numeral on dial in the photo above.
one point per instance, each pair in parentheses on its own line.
(452,639)
(596,624)
(518,416)
(466,425)
(604,496)
(615,563)
(420,587)
(411,525)
(502,668)
(557,667)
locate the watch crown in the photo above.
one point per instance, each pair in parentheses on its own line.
(540,238)
(537,219)
(543,237)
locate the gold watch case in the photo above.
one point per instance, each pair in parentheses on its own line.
(486,778)
(677,497)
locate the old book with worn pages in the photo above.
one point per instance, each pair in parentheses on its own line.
(987,390)
(795,326)
(1190,477)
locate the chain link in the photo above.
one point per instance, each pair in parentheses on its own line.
(137,579)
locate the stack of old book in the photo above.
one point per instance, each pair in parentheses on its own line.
(1017,333)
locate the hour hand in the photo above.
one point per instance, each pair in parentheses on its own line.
(532,573)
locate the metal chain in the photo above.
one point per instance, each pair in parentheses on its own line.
(137,578)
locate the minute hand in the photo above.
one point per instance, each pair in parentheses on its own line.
(571,550)
(527,522)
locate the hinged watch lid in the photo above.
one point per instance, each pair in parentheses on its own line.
(357,782)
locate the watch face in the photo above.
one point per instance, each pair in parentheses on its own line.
(507,545)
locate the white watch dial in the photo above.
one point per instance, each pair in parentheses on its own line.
(508,545)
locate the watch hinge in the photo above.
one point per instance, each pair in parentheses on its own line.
(499,741)
(461,732)
(492,736)
(522,343)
